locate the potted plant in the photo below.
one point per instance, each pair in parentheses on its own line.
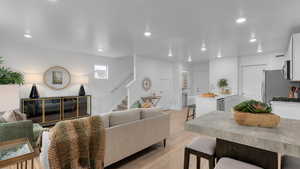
(255,113)
(8,77)
(9,87)
(222,84)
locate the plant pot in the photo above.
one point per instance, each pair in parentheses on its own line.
(268,120)
(9,98)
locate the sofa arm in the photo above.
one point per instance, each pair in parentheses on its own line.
(16,130)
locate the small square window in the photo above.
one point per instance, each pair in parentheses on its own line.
(101,72)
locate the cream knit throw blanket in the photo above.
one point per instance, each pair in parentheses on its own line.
(77,144)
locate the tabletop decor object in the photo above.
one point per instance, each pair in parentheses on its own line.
(34,79)
(255,113)
(82,80)
(222,84)
(57,78)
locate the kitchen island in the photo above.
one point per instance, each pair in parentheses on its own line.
(205,105)
(250,143)
(287,109)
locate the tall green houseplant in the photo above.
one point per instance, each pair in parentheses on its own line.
(7,76)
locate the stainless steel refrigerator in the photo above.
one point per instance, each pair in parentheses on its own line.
(275,85)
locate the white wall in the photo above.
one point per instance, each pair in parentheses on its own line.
(200,78)
(226,67)
(28,59)
(165,78)
(230,68)
(269,60)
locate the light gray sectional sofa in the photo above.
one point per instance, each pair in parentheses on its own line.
(127,132)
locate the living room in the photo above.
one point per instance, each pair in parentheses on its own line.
(157,84)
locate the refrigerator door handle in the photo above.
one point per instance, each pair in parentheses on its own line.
(263,89)
(263,97)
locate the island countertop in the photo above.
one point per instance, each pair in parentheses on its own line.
(284,139)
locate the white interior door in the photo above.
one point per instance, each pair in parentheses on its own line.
(252,81)
(165,92)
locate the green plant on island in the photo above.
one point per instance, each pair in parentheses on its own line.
(8,76)
(222,83)
(253,106)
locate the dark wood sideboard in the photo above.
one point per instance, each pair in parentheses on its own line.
(47,111)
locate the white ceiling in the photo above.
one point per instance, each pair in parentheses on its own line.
(117,26)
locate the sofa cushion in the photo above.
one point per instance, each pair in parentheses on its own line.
(105,119)
(20,116)
(2,120)
(228,163)
(150,112)
(9,116)
(37,131)
(121,117)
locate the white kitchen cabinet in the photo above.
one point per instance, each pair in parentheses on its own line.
(295,57)
(288,110)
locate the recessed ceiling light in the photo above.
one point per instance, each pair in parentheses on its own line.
(259,49)
(219,55)
(27,35)
(100,50)
(241,20)
(190,58)
(147,34)
(252,40)
(170,54)
(203,48)
(52,0)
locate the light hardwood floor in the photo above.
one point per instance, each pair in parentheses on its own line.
(158,157)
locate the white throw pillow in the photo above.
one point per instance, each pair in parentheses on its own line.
(13,115)
(9,116)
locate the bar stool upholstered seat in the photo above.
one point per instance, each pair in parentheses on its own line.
(289,162)
(228,163)
(201,147)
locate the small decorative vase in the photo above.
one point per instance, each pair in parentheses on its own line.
(81,91)
(34,94)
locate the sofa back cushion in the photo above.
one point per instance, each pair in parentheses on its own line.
(150,112)
(122,117)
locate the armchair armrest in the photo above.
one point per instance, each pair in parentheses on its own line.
(16,130)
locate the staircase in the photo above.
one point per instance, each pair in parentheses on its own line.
(123,105)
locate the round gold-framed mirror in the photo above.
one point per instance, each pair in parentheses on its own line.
(57,78)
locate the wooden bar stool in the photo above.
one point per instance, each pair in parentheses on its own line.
(201,147)
(289,162)
(228,163)
(191,112)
